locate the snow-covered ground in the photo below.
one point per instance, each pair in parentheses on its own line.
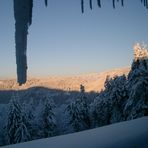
(129,134)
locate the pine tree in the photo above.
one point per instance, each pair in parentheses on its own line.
(118,96)
(48,119)
(16,127)
(100,110)
(108,106)
(137,104)
(32,127)
(78,112)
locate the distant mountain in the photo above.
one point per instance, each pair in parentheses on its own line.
(92,81)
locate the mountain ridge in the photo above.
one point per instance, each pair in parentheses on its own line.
(91,81)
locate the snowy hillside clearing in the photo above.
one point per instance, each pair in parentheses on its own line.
(128,134)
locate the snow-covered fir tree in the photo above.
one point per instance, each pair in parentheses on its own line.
(48,118)
(16,125)
(100,110)
(29,109)
(31,124)
(78,112)
(103,104)
(118,96)
(3,120)
(137,104)
(108,106)
(82,88)
(140,51)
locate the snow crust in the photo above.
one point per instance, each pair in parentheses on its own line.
(128,134)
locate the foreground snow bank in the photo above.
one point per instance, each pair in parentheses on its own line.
(129,134)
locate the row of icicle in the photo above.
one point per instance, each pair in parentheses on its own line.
(144,2)
(99,4)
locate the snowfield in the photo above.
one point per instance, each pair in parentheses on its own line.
(128,134)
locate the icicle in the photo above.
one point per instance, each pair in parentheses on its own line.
(90,4)
(99,3)
(144,3)
(46,2)
(23,18)
(82,6)
(30,11)
(114,4)
(122,3)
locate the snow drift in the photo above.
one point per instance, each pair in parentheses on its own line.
(128,134)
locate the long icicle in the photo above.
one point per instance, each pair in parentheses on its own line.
(122,3)
(23,18)
(82,6)
(114,4)
(30,11)
(99,3)
(90,4)
(46,2)
(144,3)
(147,4)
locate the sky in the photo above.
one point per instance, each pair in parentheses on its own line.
(63,41)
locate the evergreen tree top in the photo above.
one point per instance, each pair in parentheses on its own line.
(140,52)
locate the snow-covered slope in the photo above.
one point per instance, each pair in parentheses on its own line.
(91,81)
(129,134)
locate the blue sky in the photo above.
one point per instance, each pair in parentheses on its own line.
(63,41)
